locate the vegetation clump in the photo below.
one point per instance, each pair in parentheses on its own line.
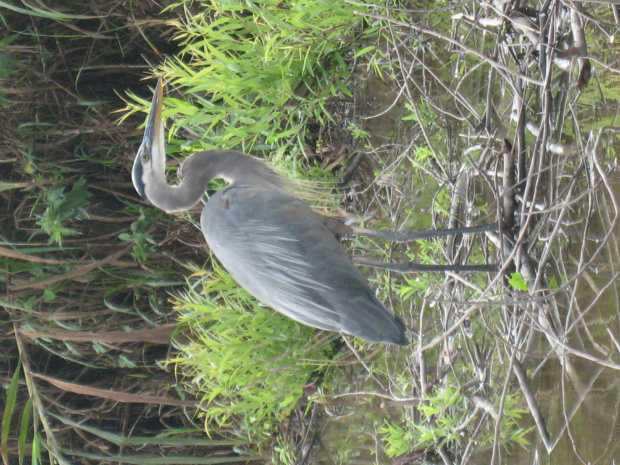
(248,364)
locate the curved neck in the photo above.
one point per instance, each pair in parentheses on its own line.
(199,169)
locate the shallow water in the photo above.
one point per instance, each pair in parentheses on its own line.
(563,327)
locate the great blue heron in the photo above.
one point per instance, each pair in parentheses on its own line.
(271,243)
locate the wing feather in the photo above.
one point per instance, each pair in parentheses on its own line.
(280,251)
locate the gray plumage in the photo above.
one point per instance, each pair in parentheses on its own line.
(274,245)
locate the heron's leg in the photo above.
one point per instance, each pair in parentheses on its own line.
(409,236)
(410,267)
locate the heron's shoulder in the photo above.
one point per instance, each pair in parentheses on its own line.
(255,194)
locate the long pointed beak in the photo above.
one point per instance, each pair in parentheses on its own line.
(153,126)
(151,156)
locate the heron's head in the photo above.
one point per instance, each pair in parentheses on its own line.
(150,162)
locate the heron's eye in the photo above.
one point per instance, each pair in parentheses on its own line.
(145,158)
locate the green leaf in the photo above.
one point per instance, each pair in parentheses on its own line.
(553,284)
(518,282)
(11,396)
(364,51)
(48,295)
(124,362)
(24,430)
